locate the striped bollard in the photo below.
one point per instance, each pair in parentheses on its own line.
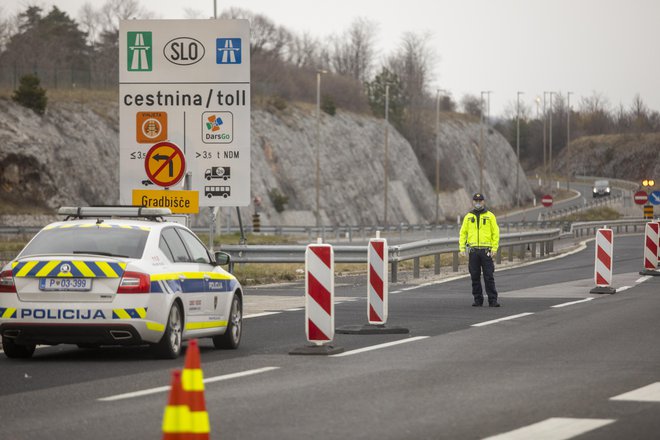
(651,243)
(377,292)
(603,262)
(319,300)
(377,283)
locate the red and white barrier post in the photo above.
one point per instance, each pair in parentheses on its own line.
(651,249)
(377,292)
(377,281)
(319,300)
(603,261)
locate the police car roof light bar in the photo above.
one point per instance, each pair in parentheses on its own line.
(79,212)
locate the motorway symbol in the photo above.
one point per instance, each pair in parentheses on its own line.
(139,51)
(546,200)
(640,197)
(654,197)
(165,164)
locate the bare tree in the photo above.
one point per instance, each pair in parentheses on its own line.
(266,38)
(354,52)
(90,22)
(303,51)
(471,105)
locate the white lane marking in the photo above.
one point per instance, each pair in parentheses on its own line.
(649,393)
(396,291)
(622,288)
(379,346)
(554,428)
(573,302)
(167,388)
(581,246)
(506,318)
(295,309)
(258,315)
(644,278)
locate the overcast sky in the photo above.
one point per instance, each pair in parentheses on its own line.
(611,47)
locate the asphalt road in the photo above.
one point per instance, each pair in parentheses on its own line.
(549,368)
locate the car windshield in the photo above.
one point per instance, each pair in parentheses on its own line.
(602,183)
(108,241)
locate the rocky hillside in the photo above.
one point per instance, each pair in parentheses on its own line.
(70,156)
(625,156)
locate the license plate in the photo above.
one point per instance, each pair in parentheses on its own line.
(78,284)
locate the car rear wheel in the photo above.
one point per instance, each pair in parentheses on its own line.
(169,346)
(231,339)
(17,351)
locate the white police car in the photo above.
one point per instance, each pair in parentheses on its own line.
(117,276)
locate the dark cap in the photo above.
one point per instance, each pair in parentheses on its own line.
(477,196)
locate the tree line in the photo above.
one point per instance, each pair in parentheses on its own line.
(64,52)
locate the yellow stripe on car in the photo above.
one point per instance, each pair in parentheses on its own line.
(84,269)
(205,325)
(155,326)
(26,269)
(47,268)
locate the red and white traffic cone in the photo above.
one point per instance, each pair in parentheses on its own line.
(603,262)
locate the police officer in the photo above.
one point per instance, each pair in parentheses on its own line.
(481,235)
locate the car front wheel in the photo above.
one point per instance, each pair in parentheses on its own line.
(231,339)
(17,351)
(169,346)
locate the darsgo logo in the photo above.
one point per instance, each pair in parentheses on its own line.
(228,50)
(217,128)
(139,52)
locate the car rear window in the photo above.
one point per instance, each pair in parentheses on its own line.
(111,241)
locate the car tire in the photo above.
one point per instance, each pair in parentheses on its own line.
(231,339)
(169,346)
(17,351)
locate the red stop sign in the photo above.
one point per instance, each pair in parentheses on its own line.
(547,200)
(641,197)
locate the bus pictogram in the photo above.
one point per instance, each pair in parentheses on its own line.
(217,191)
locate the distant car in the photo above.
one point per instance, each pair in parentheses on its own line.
(117,276)
(601,188)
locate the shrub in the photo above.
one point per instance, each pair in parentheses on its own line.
(328,105)
(30,94)
(278,199)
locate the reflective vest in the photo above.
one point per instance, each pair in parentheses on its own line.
(479,230)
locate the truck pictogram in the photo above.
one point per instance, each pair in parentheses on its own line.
(217,173)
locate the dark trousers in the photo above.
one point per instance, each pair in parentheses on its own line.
(478,261)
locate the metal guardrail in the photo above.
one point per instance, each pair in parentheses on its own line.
(576,208)
(526,241)
(581,229)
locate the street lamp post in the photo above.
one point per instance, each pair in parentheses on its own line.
(319,72)
(545,147)
(518,147)
(481,140)
(568,141)
(550,133)
(387,161)
(437,156)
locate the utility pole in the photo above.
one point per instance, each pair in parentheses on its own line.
(318,146)
(518,148)
(437,156)
(387,135)
(568,141)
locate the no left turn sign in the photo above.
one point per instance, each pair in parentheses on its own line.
(165,164)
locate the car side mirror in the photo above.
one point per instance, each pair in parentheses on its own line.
(222,258)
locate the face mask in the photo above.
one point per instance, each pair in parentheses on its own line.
(478,205)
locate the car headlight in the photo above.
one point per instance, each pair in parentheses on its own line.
(607,189)
(595,190)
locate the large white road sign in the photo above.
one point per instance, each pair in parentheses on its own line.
(186,82)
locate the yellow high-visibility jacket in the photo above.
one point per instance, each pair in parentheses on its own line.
(479,230)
